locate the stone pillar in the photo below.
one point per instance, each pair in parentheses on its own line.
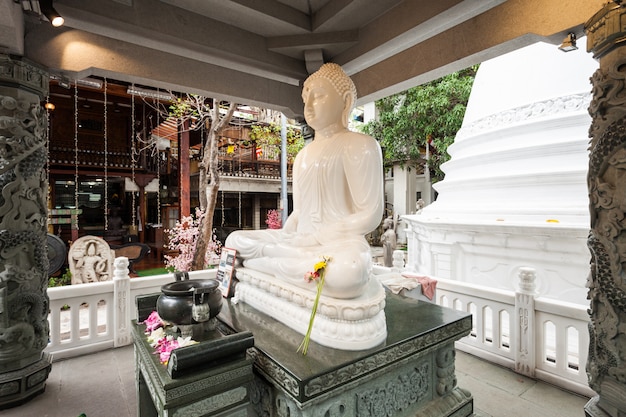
(24,303)
(606,366)
(256,212)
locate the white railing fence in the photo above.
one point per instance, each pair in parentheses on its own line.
(539,337)
(93,317)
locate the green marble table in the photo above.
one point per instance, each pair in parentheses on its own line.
(411,373)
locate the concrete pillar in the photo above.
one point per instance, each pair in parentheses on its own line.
(404,188)
(256,212)
(24,303)
(606,366)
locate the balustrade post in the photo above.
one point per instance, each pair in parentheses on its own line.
(412,247)
(121,303)
(523,334)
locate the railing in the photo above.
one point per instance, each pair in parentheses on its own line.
(93,317)
(538,337)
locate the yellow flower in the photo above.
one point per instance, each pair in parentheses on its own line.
(320,265)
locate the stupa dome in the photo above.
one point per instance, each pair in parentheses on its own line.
(515,189)
(521,154)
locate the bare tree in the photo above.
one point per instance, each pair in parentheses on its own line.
(201,112)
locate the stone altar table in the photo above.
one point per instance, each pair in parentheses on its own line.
(210,387)
(411,373)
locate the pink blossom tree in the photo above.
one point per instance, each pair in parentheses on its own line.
(183,238)
(273,220)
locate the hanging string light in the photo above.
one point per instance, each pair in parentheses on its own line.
(106,162)
(239,180)
(133,158)
(158,154)
(76,146)
(48,107)
(223,216)
(222,200)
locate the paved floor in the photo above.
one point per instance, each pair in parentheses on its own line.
(103,385)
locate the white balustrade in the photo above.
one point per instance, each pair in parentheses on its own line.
(538,337)
(92,317)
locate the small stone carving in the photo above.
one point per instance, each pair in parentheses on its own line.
(397,395)
(388,239)
(419,205)
(91,260)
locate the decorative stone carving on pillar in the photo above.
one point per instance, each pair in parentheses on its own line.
(24,331)
(606,366)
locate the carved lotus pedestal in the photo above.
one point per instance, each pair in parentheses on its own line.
(350,324)
(410,372)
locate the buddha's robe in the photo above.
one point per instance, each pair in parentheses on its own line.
(338,198)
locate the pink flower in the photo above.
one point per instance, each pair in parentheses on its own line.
(153,322)
(163,345)
(164,348)
(274,220)
(311,276)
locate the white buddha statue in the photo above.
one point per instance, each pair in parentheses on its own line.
(337,198)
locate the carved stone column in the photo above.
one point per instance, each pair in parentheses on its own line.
(606,366)
(24,332)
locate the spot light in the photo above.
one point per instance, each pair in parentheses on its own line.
(48,10)
(569,43)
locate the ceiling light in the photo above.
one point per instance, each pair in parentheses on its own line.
(142,92)
(569,43)
(90,82)
(50,12)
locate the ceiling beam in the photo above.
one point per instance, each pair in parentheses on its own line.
(509,26)
(160,26)
(308,41)
(328,12)
(77,54)
(279,11)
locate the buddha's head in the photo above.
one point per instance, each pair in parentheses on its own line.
(337,92)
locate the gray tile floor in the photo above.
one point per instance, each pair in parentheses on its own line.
(103,385)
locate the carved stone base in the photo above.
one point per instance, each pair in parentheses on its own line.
(353,324)
(411,373)
(610,403)
(19,386)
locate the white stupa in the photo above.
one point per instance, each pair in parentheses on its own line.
(515,193)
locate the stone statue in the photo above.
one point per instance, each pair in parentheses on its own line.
(91,260)
(419,205)
(388,239)
(337,197)
(115,222)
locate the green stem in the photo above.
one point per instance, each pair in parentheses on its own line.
(304,346)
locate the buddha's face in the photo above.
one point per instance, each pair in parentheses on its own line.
(323,106)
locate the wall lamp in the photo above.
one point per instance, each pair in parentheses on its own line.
(48,10)
(569,43)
